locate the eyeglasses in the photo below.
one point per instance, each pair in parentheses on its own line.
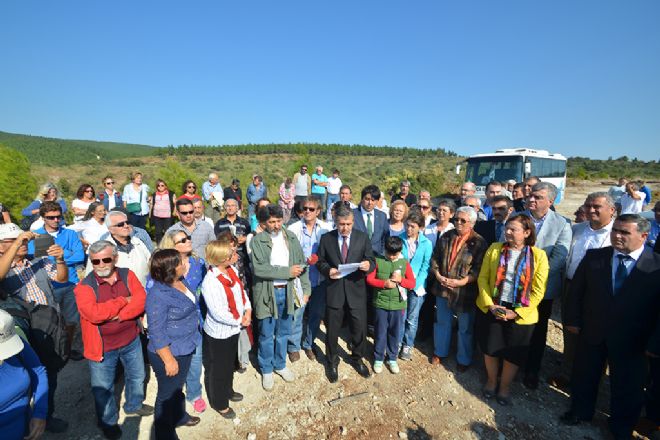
(120,224)
(161,184)
(109,182)
(460,220)
(309,209)
(97,261)
(186,212)
(424,207)
(52,217)
(183,240)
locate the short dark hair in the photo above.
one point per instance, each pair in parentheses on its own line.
(163,265)
(518,185)
(298,206)
(393,245)
(416,216)
(263,199)
(494,183)
(449,203)
(372,190)
(268,211)
(342,210)
(501,198)
(311,199)
(344,186)
(182,201)
(235,182)
(527,224)
(643,225)
(49,206)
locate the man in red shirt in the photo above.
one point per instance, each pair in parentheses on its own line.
(111,303)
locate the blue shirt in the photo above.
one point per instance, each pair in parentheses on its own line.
(208,189)
(74,253)
(318,189)
(653,233)
(173,320)
(310,245)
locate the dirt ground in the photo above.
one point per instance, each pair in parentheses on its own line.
(421,402)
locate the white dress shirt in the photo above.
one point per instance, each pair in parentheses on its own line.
(586,238)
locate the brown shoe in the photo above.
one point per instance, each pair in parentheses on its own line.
(436,361)
(294,356)
(310,354)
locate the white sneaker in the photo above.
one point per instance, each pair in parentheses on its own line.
(286,374)
(267,381)
(378,367)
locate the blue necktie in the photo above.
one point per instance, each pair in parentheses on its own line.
(498,231)
(621,272)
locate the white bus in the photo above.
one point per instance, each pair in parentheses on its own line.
(516,164)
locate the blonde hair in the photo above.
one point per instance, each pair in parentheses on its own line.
(43,190)
(218,251)
(135,174)
(167,242)
(396,203)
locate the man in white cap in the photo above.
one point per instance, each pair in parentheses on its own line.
(30,280)
(23,377)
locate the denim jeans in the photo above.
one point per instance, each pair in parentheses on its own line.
(193,380)
(170,407)
(103,381)
(387,333)
(332,198)
(315,313)
(412,316)
(273,336)
(294,342)
(442,330)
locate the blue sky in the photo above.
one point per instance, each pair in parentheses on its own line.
(575,77)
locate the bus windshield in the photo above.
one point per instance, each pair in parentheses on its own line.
(481,170)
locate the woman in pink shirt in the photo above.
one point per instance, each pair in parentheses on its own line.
(162,209)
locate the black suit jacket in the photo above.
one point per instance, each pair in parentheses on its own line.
(487,230)
(381,229)
(627,322)
(351,289)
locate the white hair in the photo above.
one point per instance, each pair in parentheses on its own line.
(111,214)
(469,210)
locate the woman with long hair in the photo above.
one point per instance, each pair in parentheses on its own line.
(189,191)
(92,226)
(85,196)
(47,193)
(194,274)
(162,209)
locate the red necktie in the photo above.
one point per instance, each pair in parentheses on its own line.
(344,249)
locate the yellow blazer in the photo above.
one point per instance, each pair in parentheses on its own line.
(526,315)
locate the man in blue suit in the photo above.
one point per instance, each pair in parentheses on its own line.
(553,235)
(371,220)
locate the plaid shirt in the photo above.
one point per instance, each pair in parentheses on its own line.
(25,273)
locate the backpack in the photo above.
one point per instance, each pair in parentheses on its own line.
(44,326)
(27,221)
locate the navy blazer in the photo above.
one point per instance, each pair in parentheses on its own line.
(628,321)
(381,229)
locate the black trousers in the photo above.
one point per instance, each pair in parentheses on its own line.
(160,226)
(170,410)
(628,372)
(537,344)
(51,374)
(653,391)
(358,327)
(219,359)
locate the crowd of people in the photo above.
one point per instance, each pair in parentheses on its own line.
(229,281)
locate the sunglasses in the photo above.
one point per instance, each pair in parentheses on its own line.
(52,217)
(186,212)
(97,261)
(160,184)
(89,190)
(308,209)
(183,240)
(424,207)
(191,187)
(460,220)
(120,224)
(110,182)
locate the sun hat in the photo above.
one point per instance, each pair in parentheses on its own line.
(9,231)
(10,343)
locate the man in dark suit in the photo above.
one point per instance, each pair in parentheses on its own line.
(345,245)
(614,301)
(370,220)
(493,230)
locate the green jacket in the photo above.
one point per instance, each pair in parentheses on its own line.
(263,293)
(389,299)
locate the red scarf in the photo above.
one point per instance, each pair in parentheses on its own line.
(228,284)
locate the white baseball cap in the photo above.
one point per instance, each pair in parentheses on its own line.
(10,343)
(9,231)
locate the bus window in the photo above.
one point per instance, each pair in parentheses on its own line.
(481,170)
(547,168)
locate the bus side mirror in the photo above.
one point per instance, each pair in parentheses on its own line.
(458,168)
(528,168)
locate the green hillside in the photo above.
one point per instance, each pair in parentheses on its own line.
(51,151)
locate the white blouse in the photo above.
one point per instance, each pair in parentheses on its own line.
(220,323)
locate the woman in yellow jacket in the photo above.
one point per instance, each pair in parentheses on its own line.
(511,283)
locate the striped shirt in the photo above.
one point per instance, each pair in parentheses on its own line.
(25,273)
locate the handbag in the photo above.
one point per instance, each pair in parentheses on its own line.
(135,207)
